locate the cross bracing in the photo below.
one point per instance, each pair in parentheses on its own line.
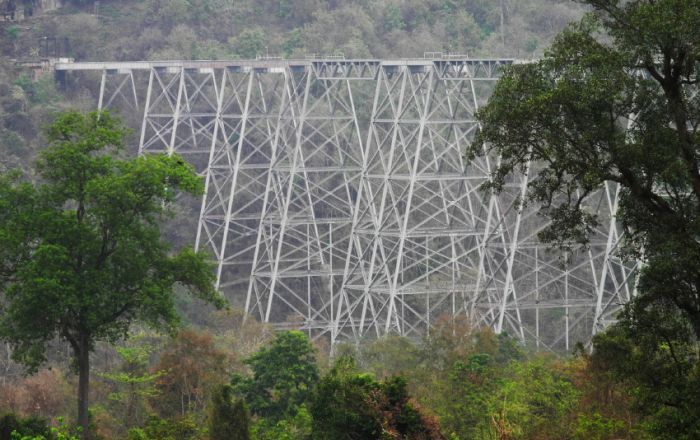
(338,199)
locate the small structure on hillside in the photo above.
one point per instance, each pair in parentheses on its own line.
(18,10)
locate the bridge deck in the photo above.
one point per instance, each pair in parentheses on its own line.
(273,63)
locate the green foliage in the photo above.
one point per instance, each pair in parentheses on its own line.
(40,91)
(352,405)
(11,142)
(454,339)
(228,418)
(393,18)
(133,383)
(340,408)
(284,374)
(297,427)
(463,398)
(12,32)
(32,428)
(655,353)
(184,428)
(87,241)
(534,400)
(10,424)
(509,349)
(292,42)
(133,374)
(621,111)
(284,8)
(406,418)
(597,427)
(250,43)
(531,45)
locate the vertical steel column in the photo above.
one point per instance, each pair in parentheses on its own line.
(509,290)
(103,80)
(208,173)
(612,226)
(393,288)
(378,216)
(146,109)
(177,112)
(234,178)
(354,261)
(296,156)
(287,97)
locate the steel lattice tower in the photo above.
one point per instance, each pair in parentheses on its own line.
(338,199)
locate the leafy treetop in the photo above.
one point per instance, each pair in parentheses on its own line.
(614,101)
(81,255)
(283,376)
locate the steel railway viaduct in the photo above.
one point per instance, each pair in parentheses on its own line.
(338,199)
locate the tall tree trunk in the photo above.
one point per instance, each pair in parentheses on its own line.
(83,357)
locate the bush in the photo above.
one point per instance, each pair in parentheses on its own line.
(284,374)
(353,405)
(12,33)
(229,419)
(11,142)
(41,91)
(29,426)
(597,427)
(20,123)
(250,43)
(185,428)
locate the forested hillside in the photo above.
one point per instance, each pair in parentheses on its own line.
(215,29)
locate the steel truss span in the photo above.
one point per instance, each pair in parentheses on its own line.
(338,199)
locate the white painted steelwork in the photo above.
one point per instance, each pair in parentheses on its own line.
(338,200)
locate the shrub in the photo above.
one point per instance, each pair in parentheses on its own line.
(228,419)
(28,426)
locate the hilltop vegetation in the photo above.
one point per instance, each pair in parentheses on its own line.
(211,29)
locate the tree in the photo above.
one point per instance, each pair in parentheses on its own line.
(296,427)
(351,405)
(652,353)
(461,396)
(614,101)
(388,356)
(81,256)
(626,113)
(229,419)
(30,426)
(392,18)
(339,407)
(192,367)
(133,385)
(250,43)
(283,376)
(534,400)
(180,428)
